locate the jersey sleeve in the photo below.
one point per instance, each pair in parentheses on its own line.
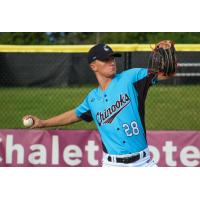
(83,111)
(137,74)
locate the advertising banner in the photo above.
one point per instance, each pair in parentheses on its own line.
(83,148)
(175,148)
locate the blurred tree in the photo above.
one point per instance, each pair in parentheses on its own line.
(178,37)
(95,37)
(80,38)
(149,37)
(24,38)
(124,37)
(72,37)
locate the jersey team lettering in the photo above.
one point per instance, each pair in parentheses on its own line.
(109,114)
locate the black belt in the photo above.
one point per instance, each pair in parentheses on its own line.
(127,160)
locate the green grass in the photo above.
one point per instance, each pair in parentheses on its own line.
(173,108)
(167,107)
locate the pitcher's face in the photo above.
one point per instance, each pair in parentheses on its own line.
(105,68)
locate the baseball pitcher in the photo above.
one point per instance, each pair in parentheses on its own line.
(117,106)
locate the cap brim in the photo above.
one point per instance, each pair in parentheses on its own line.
(112,55)
(115,55)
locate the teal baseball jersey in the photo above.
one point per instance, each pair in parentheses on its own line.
(118,111)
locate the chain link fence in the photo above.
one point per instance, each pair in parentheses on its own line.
(48,84)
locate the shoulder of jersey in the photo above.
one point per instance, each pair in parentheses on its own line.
(92,93)
(125,73)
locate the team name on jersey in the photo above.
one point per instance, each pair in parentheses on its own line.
(108,115)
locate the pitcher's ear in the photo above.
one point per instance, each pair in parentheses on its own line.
(93,66)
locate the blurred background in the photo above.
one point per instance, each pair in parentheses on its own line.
(45,74)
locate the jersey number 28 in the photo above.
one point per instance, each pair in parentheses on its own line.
(131,129)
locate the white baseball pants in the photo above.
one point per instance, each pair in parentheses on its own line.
(142,162)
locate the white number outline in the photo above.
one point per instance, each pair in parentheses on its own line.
(133,126)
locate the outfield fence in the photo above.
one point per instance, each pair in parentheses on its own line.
(48,80)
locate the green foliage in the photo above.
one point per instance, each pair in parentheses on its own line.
(23,38)
(124,37)
(37,38)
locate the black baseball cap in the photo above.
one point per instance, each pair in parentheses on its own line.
(101,52)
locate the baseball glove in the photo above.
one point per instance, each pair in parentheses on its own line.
(163,59)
